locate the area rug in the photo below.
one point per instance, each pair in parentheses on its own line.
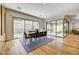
(35,43)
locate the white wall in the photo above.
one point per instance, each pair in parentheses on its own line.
(9,20)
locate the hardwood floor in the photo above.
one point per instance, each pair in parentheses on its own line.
(70,46)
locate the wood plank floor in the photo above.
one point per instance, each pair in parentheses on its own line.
(70,46)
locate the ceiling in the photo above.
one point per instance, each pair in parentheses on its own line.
(45,10)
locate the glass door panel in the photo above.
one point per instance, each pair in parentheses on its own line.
(59,31)
(28,26)
(66,28)
(54,28)
(35,25)
(49,28)
(18,28)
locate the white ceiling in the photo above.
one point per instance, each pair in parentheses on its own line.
(45,10)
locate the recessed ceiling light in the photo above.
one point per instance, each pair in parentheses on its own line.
(40,15)
(44,3)
(19,7)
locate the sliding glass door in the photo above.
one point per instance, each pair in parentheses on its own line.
(18,28)
(58,28)
(66,28)
(49,28)
(54,28)
(28,26)
(35,25)
(21,25)
(31,26)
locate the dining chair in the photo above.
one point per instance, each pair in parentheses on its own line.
(41,35)
(45,34)
(27,37)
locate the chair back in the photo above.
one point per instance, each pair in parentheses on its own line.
(25,35)
(41,34)
(45,33)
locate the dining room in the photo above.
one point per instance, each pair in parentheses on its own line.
(38,29)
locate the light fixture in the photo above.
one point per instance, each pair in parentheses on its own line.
(43,3)
(19,7)
(77,17)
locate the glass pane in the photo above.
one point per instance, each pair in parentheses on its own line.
(59,28)
(53,27)
(49,28)
(35,25)
(18,28)
(66,29)
(28,26)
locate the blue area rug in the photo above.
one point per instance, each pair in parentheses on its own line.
(35,43)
